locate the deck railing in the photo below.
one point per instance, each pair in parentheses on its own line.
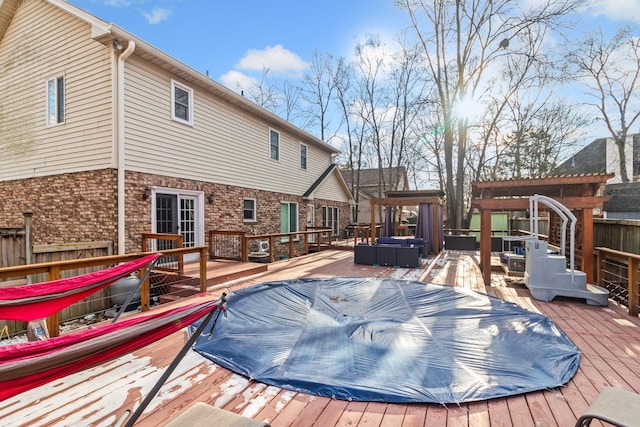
(161,242)
(227,244)
(238,245)
(53,270)
(619,272)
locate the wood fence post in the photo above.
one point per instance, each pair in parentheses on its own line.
(28,239)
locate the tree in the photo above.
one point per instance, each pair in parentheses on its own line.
(461,41)
(318,87)
(544,132)
(610,71)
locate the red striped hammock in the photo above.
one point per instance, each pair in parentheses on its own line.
(38,300)
(31,364)
(28,365)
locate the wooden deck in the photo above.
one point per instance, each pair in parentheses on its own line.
(608,338)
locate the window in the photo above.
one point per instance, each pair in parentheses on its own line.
(274,145)
(182,103)
(303,156)
(311,221)
(330,219)
(55,101)
(288,218)
(249,210)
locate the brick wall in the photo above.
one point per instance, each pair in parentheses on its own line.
(225,212)
(81,207)
(66,208)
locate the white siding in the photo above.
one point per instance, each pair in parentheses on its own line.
(224,145)
(331,189)
(43,42)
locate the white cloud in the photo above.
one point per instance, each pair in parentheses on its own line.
(157,15)
(276,59)
(625,10)
(238,81)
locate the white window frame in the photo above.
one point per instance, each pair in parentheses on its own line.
(254,217)
(311,221)
(174,85)
(277,158)
(335,219)
(55,114)
(304,148)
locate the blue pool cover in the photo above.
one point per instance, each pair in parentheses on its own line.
(388,340)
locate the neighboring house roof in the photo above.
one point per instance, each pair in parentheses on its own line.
(370,177)
(625,197)
(105,32)
(309,194)
(592,159)
(394,178)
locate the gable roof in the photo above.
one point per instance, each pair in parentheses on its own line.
(309,194)
(105,32)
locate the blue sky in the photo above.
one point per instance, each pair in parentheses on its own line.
(246,36)
(236,40)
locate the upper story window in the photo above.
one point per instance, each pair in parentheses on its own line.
(55,101)
(274,145)
(181,103)
(249,210)
(303,156)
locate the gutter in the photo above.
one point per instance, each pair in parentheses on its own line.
(120,143)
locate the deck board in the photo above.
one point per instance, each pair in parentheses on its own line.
(607,337)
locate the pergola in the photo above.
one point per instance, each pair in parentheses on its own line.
(581,193)
(411,198)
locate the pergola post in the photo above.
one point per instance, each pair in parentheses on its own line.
(587,245)
(485,245)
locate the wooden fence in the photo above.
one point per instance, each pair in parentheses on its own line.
(15,243)
(619,234)
(12,247)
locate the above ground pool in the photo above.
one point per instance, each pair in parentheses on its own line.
(388,340)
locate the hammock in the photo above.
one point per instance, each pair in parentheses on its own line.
(31,364)
(38,300)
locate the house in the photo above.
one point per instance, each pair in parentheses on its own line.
(601,156)
(105,137)
(374,183)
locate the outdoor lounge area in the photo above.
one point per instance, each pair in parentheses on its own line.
(403,251)
(391,251)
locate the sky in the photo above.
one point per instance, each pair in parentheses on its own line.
(227,37)
(233,41)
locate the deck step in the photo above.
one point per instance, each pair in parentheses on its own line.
(184,290)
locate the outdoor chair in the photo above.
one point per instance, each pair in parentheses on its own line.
(203,415)
(614,406)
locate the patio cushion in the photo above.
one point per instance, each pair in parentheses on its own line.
(203,415)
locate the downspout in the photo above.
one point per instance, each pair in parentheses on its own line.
(120,143)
